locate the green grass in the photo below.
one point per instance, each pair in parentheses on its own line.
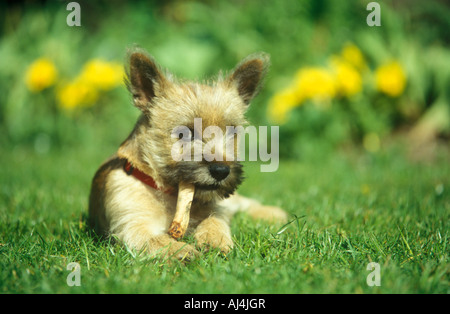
(347,210)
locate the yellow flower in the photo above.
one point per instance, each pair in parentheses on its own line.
(351,54)
(390,79)
(282,103)
(348,79)
(40,75)
(102,75)
(321,84)
(317,84)
(76,94)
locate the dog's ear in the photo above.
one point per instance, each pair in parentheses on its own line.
(248,75)
(144,78)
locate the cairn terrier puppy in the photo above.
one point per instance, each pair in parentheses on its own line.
(134,193)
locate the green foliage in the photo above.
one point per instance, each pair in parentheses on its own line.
(195,39)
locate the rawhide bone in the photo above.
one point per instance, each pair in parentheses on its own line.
(181,219)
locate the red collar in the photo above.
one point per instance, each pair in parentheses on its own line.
(144,178)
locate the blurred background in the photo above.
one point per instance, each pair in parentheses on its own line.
(335,82)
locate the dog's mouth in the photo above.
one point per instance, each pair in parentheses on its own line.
(199,175)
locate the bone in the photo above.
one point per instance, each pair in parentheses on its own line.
(181,219)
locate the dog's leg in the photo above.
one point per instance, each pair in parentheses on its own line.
(140,236)
(253,208)
(215,232)
(137,218)
(142,233)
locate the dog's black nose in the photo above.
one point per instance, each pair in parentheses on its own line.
(219,171)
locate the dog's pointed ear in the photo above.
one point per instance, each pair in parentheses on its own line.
(248,75)
(144,78)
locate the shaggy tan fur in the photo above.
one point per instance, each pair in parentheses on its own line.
(139,215)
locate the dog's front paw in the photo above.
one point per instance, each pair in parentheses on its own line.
(183,252)
(166,247)
(218,240)
(215,233)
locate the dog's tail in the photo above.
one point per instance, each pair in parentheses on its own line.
(238,203)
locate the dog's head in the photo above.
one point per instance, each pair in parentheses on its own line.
(187,130)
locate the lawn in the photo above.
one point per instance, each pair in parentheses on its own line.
(348,209)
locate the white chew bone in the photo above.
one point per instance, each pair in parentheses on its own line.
(181,219)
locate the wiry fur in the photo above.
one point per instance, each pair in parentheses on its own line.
(139,215)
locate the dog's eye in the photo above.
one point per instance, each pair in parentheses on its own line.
(182,133)
(186,136)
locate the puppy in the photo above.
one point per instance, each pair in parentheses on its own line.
(134,193)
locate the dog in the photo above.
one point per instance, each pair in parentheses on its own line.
(134,193)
